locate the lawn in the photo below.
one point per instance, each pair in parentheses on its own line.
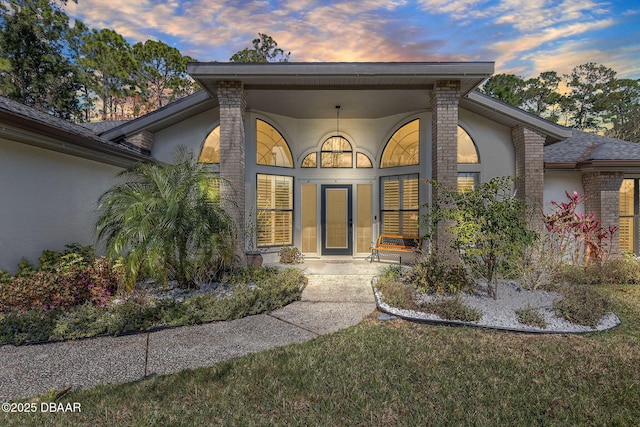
(393,373)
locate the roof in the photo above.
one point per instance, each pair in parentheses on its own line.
(168,115)
(343,75)
(510,116)
(371,90)
(589,150)
(27,125)
(103,126)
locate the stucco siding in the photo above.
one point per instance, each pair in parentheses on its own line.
(555,185)
(493,141)
(48,200)
(190,133)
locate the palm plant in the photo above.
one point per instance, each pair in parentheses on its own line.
(166,220)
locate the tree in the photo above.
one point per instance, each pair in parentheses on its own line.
(265,49)
(622,110)
(166,220)
(590,86)
(541,97)
(505,87)
(488,226)
(108,57)
(162,76)
(87,79)
(35,70)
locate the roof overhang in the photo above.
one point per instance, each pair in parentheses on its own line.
(510,116)
(166,116)
(328,75)
(595,165)
(19,128)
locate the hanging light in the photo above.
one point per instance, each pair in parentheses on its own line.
(337,143)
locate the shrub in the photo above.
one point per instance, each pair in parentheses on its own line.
(83,321)
(270,290)
(72,285)
(487,224)
(290,255)
(394,272)
(540,266)
(451,309)
(397,294)
(615,271)
(576,236)
(5,277)
(431,274)
(582,305)
(530,316)
(166,221)
(33,325)
(73,255)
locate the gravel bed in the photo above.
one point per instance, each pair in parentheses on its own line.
(500,313)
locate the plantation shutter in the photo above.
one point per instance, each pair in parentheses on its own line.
(400,204)
(275,210)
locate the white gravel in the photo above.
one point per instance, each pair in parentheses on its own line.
(500,313)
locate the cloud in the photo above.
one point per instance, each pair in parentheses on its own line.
(507,31)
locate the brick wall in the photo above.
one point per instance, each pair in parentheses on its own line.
(142,140)
(444,154)
(233,103)
(529,146)
(603,198)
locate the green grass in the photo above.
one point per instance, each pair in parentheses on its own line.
(394,373)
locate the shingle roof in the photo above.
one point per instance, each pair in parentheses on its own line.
(103,126)
(64,136)
(46,119)
(586,147)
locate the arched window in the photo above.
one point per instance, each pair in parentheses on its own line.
(211,148)
(336,152)
(363,161)
(403,148)
(310,161)
(468,156)
(467,152)
(271,148)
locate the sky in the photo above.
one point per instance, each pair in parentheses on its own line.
(522,37)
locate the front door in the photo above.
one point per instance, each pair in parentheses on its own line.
(337,234)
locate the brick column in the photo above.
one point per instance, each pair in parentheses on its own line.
(603,198)
(233,102)
(529,146)
(444,152)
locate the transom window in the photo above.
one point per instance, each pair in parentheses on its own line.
(271,147)
(403,148)
(310,160)
(211,148)
(336,152)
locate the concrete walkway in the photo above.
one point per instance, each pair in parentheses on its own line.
(338,295)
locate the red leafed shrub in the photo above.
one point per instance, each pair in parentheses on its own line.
(576,235)
(96,282)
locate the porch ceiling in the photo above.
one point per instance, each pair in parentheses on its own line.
(363,90)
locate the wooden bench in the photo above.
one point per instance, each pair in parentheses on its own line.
(395,244)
